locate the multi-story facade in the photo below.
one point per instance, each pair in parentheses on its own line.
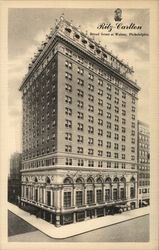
(143,156)
(14,178)
(79,129)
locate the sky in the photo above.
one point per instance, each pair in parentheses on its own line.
(27,28)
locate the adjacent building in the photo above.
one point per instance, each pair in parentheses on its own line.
(79,129)
(143,164)
(14,178)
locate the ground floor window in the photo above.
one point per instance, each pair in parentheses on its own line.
(90,196)
(99,195)
(115,194)
(67,199)
(67,219)
(107,195)
(79,198)
(90,213)
(100,212)
(80,216)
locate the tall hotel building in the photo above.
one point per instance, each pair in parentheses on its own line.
(79,129)
(143,157)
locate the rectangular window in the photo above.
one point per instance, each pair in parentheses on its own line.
(90,98)
(109,86)
(108,134)
(99,196)
(100,102)
(100,82)
(89,197)
(90,163)
(79,150)
(100,132)
(90,108)
(90,87)
(123,95)
(48,198)
(100,153)
(90,151)
(67,199)
(68,64)
(68,111)
(91,77)
(109,96)
(108,164)
(132,192)
(80,115)
(80,104)
(108,115)
(107,195)
(116,155)
(80,71)
(123,166)
(108,154)
(80,127)
(69,161)
(100,92)
(100,122)
(80,93)
(68,148)
(68,76)
(68,99)
(90,119)
(108,144)
(116,101)
(123,156)
(80,138)
(90,140)
(79,198)
(68,124)
(90,130)
(115,194)
(100,112)
(80,162)
(68,136)
(80,82)
(109,125)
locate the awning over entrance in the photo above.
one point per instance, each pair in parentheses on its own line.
(122,206)
(144,202)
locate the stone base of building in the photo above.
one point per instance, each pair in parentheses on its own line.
(68,217)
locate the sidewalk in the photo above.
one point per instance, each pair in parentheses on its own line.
(76,228)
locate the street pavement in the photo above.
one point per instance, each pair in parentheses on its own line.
(76,228)
(135,230)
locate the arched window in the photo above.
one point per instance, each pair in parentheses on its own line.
(68,181)
(99,180)
(132,179)
(108,180)
(90,180)
(36,179)
(79,181)
(116,180)
(48,181)
(123,179)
